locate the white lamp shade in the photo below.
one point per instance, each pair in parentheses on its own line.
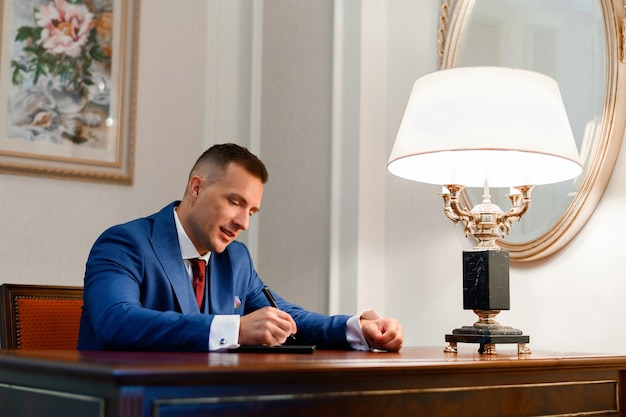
(469,125)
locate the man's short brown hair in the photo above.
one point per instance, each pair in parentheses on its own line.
(215,160)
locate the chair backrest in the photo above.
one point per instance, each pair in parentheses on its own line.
(39,316)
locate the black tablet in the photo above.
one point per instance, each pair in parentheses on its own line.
(274,349)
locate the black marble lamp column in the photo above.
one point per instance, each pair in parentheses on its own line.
(486,280)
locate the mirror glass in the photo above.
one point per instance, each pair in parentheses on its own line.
(567,40)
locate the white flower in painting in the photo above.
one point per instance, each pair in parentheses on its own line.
(65,27)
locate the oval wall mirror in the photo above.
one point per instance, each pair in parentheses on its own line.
(580,44)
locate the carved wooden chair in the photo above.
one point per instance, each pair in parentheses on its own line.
(39,316)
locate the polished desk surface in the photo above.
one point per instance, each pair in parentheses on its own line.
(148,367)
(421,380)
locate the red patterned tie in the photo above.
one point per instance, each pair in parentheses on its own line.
(198,271)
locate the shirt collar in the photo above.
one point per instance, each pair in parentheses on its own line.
(187,248)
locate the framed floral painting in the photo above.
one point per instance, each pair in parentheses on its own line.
(67,88)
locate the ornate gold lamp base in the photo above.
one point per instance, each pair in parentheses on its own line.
(487,333)
(486,268)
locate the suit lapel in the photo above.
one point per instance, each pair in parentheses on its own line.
(164,240)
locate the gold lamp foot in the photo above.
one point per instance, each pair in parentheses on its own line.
(451,348)
(487,332)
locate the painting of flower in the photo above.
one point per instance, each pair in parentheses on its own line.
(67,80)
(57,56)
(63,43)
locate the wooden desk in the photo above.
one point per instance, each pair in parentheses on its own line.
(415,382)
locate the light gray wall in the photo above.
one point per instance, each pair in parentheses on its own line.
(293,251)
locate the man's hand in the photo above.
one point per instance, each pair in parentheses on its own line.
(266,326)
(385,334)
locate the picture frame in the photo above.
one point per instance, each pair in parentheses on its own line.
(68,72)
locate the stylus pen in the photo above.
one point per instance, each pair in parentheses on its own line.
(272,301)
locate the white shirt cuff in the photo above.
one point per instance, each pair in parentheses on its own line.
(354,333)
(224,332)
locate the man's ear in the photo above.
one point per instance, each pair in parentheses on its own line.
(195,184)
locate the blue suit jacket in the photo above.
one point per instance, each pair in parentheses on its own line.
(138,296)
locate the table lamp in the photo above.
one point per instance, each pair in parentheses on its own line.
(485,127)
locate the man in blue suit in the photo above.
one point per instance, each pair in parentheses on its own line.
(139,291)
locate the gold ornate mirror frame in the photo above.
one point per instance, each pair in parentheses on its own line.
(454,18)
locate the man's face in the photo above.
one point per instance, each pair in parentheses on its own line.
(216,213)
